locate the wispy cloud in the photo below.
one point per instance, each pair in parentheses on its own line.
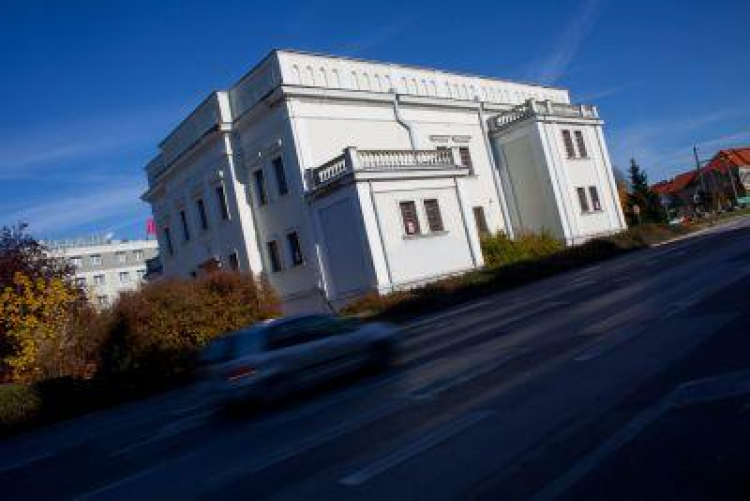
(599,94)
(373,38)
(59,216)
(58,147)
(550,68)
(664,146)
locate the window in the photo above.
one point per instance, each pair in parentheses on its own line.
(278,169)
(141,274)
(98,279)
(595,202)
(260,187)
(295,250)
(465,155)
(568,140)
(583,200)
(95,260)
(434,218)
(409,217)
(234,261)
(581,144)
(481,221)
(76,261)
(202,213)
(168,241)
(122,257)
(138,255)
(185,227)
(273,255)
(124,277)
(222,199)
(102,300)
(81,282)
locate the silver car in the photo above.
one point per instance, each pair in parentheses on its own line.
(274,358)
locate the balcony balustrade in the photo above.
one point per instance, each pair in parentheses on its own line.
(544,108)
(382,160)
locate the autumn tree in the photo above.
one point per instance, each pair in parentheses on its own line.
(42,313)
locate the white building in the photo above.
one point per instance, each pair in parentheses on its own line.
(338,176)
(105,267)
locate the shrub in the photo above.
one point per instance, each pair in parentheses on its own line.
(155,332)
(18,404)
(499,249)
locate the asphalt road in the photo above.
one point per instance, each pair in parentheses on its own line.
(625,380)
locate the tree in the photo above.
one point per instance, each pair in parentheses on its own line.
(41,311)
(642,196)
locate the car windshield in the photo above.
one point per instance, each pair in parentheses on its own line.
(233,345)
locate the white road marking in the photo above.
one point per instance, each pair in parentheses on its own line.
(415,448)
(692,392)
(447,314)
(26,461)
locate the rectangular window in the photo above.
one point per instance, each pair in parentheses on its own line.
(581,144)
(273,255)
(138,255)
(295,250)
(481,221)
(141,274)
(234,261)
(202,213)
(465,155)
(102,300)
(76,261)
(122,257)
(185,227)
(222,199)
(81,282)
(260,187)
(595,198)
(168,241)
(98,279)
(95,260)
(278,169)
(568,140)
(583,200)
(124,277)
(409,217)
(434,218)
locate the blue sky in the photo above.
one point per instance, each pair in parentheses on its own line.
(89,88)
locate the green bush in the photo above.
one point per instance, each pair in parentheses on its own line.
(19,404)
(500,250)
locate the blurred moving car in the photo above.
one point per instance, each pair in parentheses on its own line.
(269,360)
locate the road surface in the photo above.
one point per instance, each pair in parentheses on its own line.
(629,379)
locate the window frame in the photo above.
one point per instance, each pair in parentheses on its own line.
(596,202)
(202,214)
(583,199)
(221,197)
(464,154)
(434,226)
(580,144)
(568,143)
(167,237)
(480,222)
(261,192)
(95,260)
(279,172)
(274,256)
(234,261)
(416,230)
(185,225)
(293,240)
(100,279)
(125,275)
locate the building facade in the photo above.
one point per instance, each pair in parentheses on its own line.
(103,267)
(336,176)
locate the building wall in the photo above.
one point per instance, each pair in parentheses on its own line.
(120,266)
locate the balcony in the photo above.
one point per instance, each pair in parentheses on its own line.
(395,162)
(533,108)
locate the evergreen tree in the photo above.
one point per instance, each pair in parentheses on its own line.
(648,201)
